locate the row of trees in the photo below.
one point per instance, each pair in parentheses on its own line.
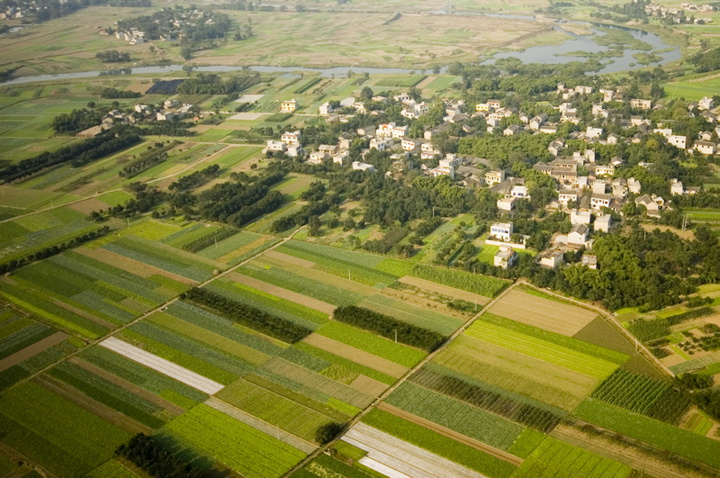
(248,316)
(53,250)
(389,327)
(77,154)
(148,454)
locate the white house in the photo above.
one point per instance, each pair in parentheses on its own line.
(602,223)
(705,147)
(520,192)
(494,177)
(363,166)
(506,204)
(552,258)
(578,235)
(288,106)
(593,133)
(506,257)
(678,141)
(599,201)
(579,217)
(290,137)
(640,104)
(676,187)
(502,230)
(705,103)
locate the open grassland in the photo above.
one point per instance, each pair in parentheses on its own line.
(555,458)
(44,427)
(238,446)
(663,435)
(543,313)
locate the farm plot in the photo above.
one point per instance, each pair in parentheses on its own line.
(193,355)
(543,313)
(262,300)
(392,456)
(165,258)
(456,415)
(417,316)
(439,444)
(543,381)
(477,284)
(248,451)
(444,290)
(237,248)
(374,344)
(555,458)
(361,267)
(301,299)
(161,365)
(663,435)
(275,409)
(285,278)
(545,350)
(150,380)
(60,436)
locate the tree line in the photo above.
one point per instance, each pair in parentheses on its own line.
(389,327)
(248,316)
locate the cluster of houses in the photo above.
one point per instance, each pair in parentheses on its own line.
(171,109)
(678,14)
(16,11)
(171,26)
(587,191)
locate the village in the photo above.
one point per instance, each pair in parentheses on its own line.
(589,191)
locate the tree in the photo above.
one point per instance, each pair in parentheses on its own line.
(327,432)
(186,52)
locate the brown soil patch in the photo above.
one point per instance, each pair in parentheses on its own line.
(32,350)
(368,385)
(131,265)
(301,299)
(544,313)
(356,355)
(82,313)
(444,290)
(688,234)
(464,439)
(423,303)
(426,82)
(92,406)
(600,332)
(129,386)
(296,261)
(89,205)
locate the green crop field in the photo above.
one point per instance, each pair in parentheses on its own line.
(541,349)
(55,433)
(517,372)
(456,415)
(420,317)
(374,344)
(286,414)
(232,443)
(667,437)
(477,284)
(555,458)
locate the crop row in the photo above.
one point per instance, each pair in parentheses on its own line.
(248,316)
(303,285)
(44,427)
(210,239)
(477,284)
(490,401)
(108,393)
(389,327)
(271,304)
(456,415)
(541,349)
(654,432)
(555,458)
(145,378)
(439,444)
(24,337)
(275,409)
(249,452)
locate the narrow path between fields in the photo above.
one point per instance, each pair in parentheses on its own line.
(402,380)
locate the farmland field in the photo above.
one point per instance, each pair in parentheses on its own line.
(543,313)
(232,443)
